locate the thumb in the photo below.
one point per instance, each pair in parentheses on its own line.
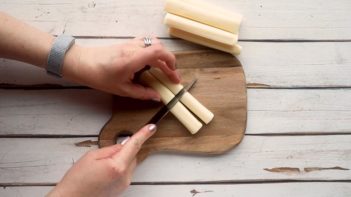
(133,145)
(141,92)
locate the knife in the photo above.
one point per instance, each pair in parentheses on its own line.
(166,108)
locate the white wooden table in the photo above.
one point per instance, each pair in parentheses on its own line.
(297,60)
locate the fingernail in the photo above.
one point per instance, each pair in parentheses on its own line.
(152,128)
(178,75)
(125,141)
(156,99)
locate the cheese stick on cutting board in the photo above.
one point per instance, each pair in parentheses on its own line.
(179,110)
(205,13)
(234,49)
(188,100)
(200,29)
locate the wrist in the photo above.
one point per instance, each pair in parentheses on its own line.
(55,192)
(72,63)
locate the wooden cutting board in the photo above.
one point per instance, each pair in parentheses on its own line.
(221,87)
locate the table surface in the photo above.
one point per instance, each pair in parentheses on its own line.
(297,61)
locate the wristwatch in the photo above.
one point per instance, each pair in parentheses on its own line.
(61,45)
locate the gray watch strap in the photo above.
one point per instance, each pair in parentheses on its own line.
(57,54)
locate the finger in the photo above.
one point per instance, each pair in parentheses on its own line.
(158,57)
(171,74)
(155,40)
(141,92)
(153,53)
(139,41)
(166,56)
(107,151)
(127,154)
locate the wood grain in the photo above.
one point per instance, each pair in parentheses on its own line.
(298,111)
(55,112)
(228,190)
(47,160)
(263,19)
(289,64)
(266,64)
(221,87)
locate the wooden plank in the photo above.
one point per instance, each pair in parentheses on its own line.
(299,111)
(11,72)
(56,112)
(326,64)
(257,158)
(264,19)
(266,64)
(84,112)
(244,190)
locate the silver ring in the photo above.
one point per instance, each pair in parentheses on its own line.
(147,41)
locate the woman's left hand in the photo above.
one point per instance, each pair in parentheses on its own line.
(112,68)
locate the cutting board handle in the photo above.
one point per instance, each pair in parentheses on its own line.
(107,138)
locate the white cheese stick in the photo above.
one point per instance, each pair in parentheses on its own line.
(179,110)
(200,29)
(205,13)
(234,49)
(188,100)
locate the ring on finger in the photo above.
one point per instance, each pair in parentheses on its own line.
(147,41)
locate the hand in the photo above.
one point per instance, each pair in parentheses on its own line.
(103,172)
(112,68)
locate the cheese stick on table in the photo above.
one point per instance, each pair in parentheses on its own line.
(178,110)
(188,100)
(205,13)
(234,49)
(200,29)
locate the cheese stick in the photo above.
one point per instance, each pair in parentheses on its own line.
(205,13)
(200,29)
(234,49)
(179,111)
(188,100)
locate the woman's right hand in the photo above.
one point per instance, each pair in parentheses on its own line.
(104,172)
(112,68)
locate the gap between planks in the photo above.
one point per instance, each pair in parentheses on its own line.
(246,134)
(241,40)
(266,65)
(224,182)
(7,86)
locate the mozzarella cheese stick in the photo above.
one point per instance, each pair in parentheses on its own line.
(188,100)
(178,110)
(234,49)
(200,29)
(205,13)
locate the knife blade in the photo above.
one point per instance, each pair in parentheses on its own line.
(166,108)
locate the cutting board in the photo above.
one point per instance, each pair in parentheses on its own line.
(221,87)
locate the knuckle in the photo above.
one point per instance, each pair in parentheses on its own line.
(124,91)
(173,57)
(137,143)
(157,49)
(144,95)
(127,62)
(156,41)
(120,170)
(126,183)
